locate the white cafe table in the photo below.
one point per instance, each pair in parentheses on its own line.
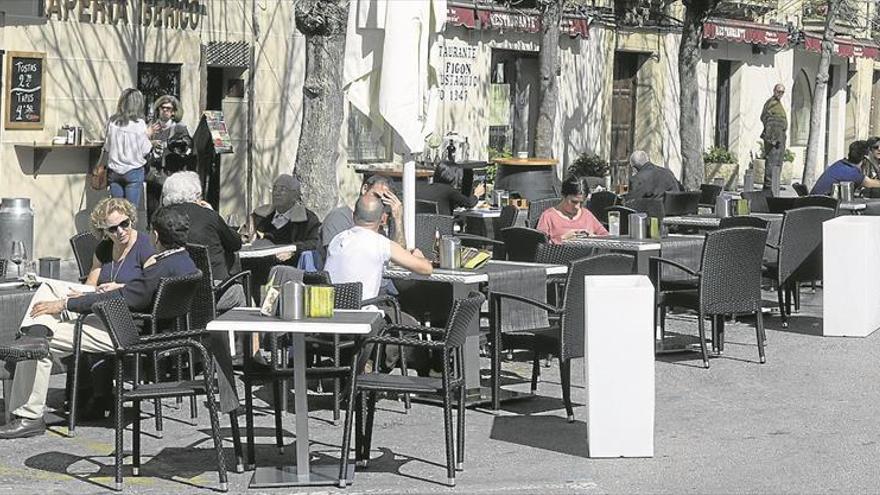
(851,276)
(264,250)
(249,320)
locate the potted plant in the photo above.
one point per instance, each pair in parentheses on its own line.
(721,163)
(592,167)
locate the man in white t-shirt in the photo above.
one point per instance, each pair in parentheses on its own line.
(359,254)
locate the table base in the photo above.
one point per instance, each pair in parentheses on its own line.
(475,397)
(281,476)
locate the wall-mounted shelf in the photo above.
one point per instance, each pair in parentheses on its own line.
(41,151)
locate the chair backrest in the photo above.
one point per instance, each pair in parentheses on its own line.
(173,300)
(348,295)
(115,315)
(2,267)
(425,206)
(625,212)
(800,241)
(84,246)
(538,207)
(652,206)
(815,200)
(599,203)
(780,205)
(426,226)
(461,317)
(800,189)
(316,278)
(731,270)
(506,219)
(709,193)
(562,254)
(521,243)
(757,201)
(743,221)
(204,306)
(572,334)
(681,203)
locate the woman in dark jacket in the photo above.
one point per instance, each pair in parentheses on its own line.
(443,192)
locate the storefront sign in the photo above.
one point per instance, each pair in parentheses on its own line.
(743,32)
(457,70)
(174,14)
(473,16)
(845,48)
(24,76)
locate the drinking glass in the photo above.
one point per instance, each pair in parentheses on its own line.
(614,223)
(18,254)
(30,273)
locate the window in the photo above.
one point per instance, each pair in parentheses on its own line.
(155,80)
(364,145)
(722,105)
(800,110)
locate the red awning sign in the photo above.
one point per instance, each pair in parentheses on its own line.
(481,17)
(844,48)
(755,34)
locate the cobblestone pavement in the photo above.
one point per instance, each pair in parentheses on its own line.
(805,422)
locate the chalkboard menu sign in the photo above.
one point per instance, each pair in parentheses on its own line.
(24,90)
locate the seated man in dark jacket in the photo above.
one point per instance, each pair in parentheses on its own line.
(50,316)
(650,181)
(287,220)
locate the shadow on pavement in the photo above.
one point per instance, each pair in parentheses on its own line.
(552,433)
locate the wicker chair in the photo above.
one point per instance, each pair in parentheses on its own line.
(757,201)
(425,206)
(565,339)
(128,343)
(800,189)
(507,219)
(2,267)
(449,342)
(681,203)
(84,246)
(709,193)
(171,304)
(780,204)
(743,221)
(521,244)
(729,283)
(538,207)
(625,212)
(599,203)
(652,206)
(798,254)
(427,226)
(816,200)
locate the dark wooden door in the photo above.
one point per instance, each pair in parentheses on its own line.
(623,114)
(722,105)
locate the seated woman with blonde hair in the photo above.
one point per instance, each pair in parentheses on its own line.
(121,254)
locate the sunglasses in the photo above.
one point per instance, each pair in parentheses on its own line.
(124,225)
(166,107)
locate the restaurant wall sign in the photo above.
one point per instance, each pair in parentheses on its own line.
(457,70)
(473,16)
(173,14)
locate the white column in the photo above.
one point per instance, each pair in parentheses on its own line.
(409,200)
(851,276)
(619,365)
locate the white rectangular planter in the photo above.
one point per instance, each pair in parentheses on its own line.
(851,276)
(619,365)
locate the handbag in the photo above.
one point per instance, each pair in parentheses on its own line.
(97,177)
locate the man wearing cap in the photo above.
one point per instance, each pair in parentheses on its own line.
(287,220)
(649,180)
(775,122)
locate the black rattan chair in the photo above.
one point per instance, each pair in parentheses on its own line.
(780,204)
(2,267)
(816,200)
(798,254)
(757,201)
(800,189)
(538,207)
(521,243)
(424,206)
(565,339)
(743,221)
(128,343)
(599,203)
(652,206)
(507,219)
(449,343)
(625,212)
(729,283)
(681,203)
(709,193)
(84,246)
(427,227)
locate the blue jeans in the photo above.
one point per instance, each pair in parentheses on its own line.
(129,185)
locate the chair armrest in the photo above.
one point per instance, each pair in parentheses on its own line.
(675,264)
(478,239)
(413,329)
(405,341)
(172,344)
(183,334)
(496,298)
(244,276)
(391,300)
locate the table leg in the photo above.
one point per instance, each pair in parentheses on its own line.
(303,473)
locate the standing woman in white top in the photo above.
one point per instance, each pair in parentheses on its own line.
(126,146)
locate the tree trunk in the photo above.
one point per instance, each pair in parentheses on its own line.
(548,61)
(323,23)
(692,166)
(813,162)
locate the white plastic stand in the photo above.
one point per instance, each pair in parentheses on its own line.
(619,365)
(851,276)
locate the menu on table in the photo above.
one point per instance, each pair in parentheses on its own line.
(24,75)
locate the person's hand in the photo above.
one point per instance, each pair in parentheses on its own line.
(573,233)
(153,129)
(480,190)
(282,257)
(108,286)
(47,308)
(73,293)
(204,204)
(390,199)
(418,253)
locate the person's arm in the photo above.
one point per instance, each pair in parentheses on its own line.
(229,239)
(410,261)
(94,272)
(311,238)
(456,198)
(869,182)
